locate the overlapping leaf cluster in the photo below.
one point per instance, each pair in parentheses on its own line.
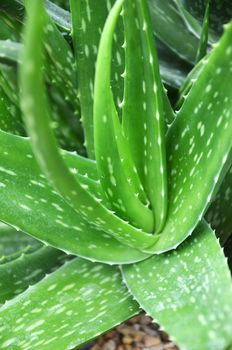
(115,171)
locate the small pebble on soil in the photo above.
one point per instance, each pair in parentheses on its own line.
(139,333)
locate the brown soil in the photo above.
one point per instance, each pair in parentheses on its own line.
(139,333)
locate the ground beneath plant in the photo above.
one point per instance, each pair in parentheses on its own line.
(139,333)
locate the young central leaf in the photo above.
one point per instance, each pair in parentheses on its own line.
(118,174)
(37,119)
(199,143)
(143,113)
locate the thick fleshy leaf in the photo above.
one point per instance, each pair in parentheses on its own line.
(88,22)
(173,69)
(37,120)
(17,275)
(66,309)
(143,107)
(9,27)
(10,118)
(14,8)
(219,212)
(220,14)
(42,213)
(191,22)
(63,73)
(13,243)
(188,83)
(60,16)
(65,124)
(203,44)
(118,175)
(194,285)
(9,51)
(176,34)
(8,82)
(192,143)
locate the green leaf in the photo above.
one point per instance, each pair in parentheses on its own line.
(63,71)
(10,118)
(60,16)
(17,275)
(13,243)
(220,14)
(61,64)
(191,22)
(118,175)
(173,69)
(143,107)
(9,27)
(219,212)
(10,51)
(36,116)
(43,213)
(65,124)
(202,49)
(176,34)
(88,21)
(7,82)
(192,144)
(194,285)
(188,83)
(66,309)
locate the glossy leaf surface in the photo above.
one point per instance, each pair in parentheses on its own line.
(191,284)
(77,294)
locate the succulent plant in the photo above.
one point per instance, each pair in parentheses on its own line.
(115,170)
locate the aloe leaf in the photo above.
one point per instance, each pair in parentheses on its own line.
(118,175)
(221,13)
(7,85)
(88,21)
(60,16)
(63,75)
(13,242)
(42,213)
(17,275)
(190,79)
(143,106)
(61,62)
(72,304)
(176,34)
(191,22)
(36,116)
(183,283)
(66,126)
(192,144)
(172,70)
(10,51)
(14,8)
(219,212)
(203,44)
(10,119)
(9,27)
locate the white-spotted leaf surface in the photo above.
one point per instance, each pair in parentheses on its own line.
(37,119)
(17,275)
(194,150)
(67,308)
(43,213)
(188,292)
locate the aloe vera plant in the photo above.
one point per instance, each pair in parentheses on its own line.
(109,190)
